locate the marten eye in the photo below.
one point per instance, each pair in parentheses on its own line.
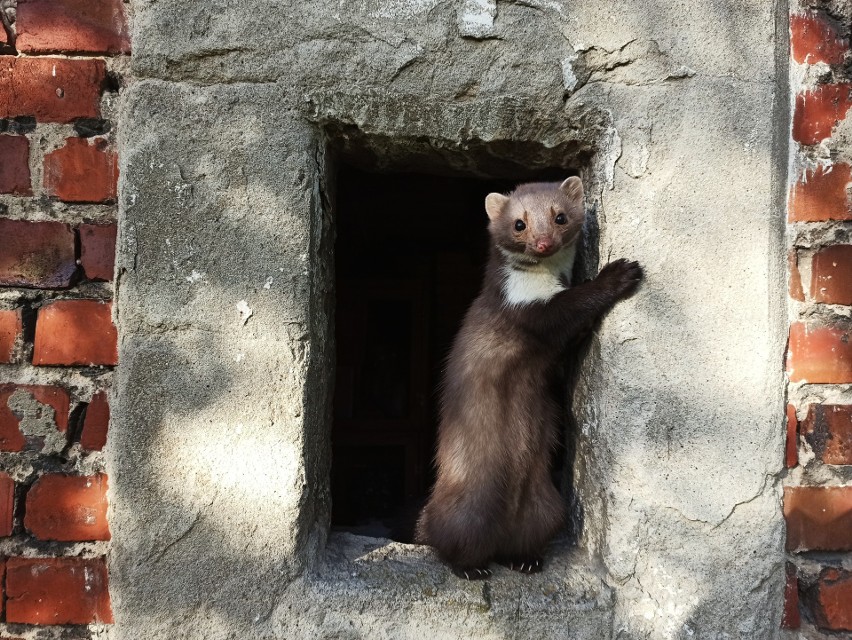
(519,225)
(561,219)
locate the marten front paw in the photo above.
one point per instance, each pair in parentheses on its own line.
(621,276)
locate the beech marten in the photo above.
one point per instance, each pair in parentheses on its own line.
(493,497)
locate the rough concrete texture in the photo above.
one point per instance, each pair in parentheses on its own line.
(219,447)
(369,588)
(214,415)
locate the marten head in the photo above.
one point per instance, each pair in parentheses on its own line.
(537,219)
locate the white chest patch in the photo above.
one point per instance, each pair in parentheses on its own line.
(538,282)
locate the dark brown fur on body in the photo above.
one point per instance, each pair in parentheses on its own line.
(493,498)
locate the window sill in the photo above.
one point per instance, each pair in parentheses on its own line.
(376,588)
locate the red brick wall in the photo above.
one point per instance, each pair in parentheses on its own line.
(61,67)
(59,74)
(818,491)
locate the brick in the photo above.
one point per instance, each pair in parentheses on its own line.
(51,89)
(818,518)
(15,165)
(819,354)
(50,591)
(68,508)
(96,423)
(817,111)
(832,606)
(792,453)
(820,194)
(7,504)
(831,275)
(795,290)
(51,398)
(791,618)
(11,334)
(75,332)
(36,254)
(814,38)
(3,595)
(828,430)
(97,250)
(72,26)
(81,171)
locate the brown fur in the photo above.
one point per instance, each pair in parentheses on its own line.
(493,497)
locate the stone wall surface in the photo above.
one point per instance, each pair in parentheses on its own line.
(218,451)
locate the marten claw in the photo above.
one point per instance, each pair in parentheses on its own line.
(472,574)
(527,566)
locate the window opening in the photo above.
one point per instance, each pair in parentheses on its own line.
(409,256)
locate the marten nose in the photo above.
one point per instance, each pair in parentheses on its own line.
(543,245)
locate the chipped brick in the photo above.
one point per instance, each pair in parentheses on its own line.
(828,430)
(832,607)
(51,89)
(820,194)
(795,289)
(96,423)
(11,333)
(72,26)
(36,254)
(792,454)
(814,38)
(791,618)
(81,171)
(97,250)
(831,275)
(75,332)
(15,165)
(818,518)
(818,111)
(52,398)
(819,354)
(51,591)
(7,504)
(68,508)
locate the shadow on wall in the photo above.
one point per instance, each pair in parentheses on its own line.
(207,446)
(219,475)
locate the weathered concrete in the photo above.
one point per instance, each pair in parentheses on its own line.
(218,494)
(368,588)
(219,445)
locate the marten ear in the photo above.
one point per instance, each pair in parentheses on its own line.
(494,203)
(572,188)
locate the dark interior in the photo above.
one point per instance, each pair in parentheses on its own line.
(409,256)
